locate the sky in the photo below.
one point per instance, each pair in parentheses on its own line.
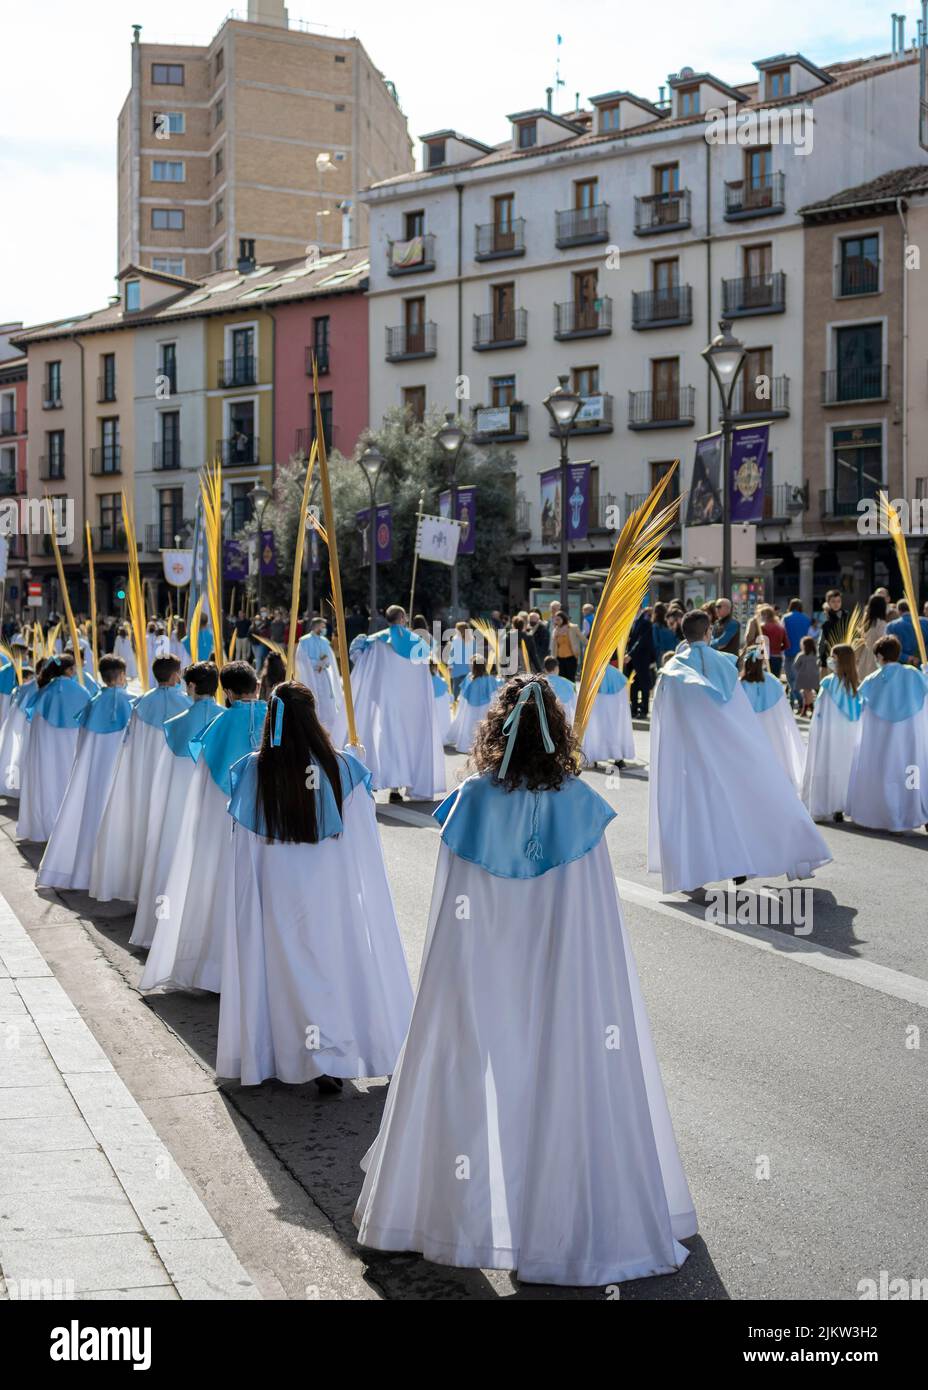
(66,73)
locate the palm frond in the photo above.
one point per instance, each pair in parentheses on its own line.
(894,526)
(93,602)
(195,622)
(850,631)
(65,596)
(134,593)
(290,657)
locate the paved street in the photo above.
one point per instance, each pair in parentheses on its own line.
(782,1054)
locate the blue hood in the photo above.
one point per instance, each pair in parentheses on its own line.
(183,729)
(848,703)
(764,694)
(61,703)
(894,692)
(243,804)
(108,712)
(161,704)
(233,733)
(701,666)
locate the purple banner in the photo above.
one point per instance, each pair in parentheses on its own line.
(466,514)
(578,501)
(704,507)
(268,555)
(748,470)
(312,542)
(384,534)
(234,561)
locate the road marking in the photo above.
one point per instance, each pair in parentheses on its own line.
(391,810)
(830,962)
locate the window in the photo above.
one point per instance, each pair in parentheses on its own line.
(112,534)
(414,224)
(167,171)
(860,264)
(109,445)
(585,299)
(414,401)
(586,381)
(325,406)
(665,277)
(53,382)
(55,453)
(528,135)
(586,193)
(133,296)
(243,356)
(108,376)
(414,321)
(7,471)
(339,106)
(321,342)
(857,464)
(217,258)
(8,412)
(167,364)
(689,101)
(758,362)
(502,390)
(503,298)
(242,445)
(218,162)
(657,470)
(170,515)
(219,211)
(169,428)
(167,74)
(165,123)
(168,265)
(219,112)
(167,219)
(665,388)
(436,154)
(220,61)
(242,510)
(339,57)
(859,361)
(666,179)
(778,82)
(609,117)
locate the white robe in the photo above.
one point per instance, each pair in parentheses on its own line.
(779,724)
(832,740)
(45,769)
(516,1133)
(326,685)
(120,849)
(68,855)
(14,737)
(463,728)
(720,804)
(609,734)
(883,793)
(443,715)
(170,787)
(314,945)
(397,722)
(123,647)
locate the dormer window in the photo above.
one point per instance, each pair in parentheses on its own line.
(778,82)
(609,117)
(528,135)
(436,154)
(133,296)
(689,101)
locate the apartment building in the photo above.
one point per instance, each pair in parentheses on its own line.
(14,426)
(266,133)
(605,245)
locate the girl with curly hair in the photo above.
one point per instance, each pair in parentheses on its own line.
(528,1068)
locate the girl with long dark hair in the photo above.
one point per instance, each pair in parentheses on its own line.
(512,1076)
(315,984)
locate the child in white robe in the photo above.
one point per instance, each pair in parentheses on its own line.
(767,697)
(833,737)
(609,735)
(316,668)
(52,743)
(124,649)
(442,702)
(117,860)
(315,985)
(564,689)
(194,918)
(888,785)
(720,805)
(170,786)
(8,684)
(526,1126)
(15,731)
(474,699)
(102,723)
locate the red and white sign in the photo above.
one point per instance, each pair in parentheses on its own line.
(34,593)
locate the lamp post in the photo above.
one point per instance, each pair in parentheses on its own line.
(309,548)
(725,356)
(370,463)
(259,498)
(562,405)
(451,439)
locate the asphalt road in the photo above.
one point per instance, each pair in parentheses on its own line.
(796,1092)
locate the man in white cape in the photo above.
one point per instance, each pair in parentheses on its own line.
(888,786)
(395,711)
(721,805)
(117,862)
(316,669)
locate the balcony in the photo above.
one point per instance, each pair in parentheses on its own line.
(106,459)
(8,422)
(63,546)
(523,517)
(593,417)
(668,308)
(410,257)
(761,197)
(662,212)
(582,226)
(782,502)
(634,500)
(500,423)
(579,320)
(840,503)
(51,400)
(848,385)
(106,389)
(322,360)
(108,540)
(856,275)
(662,410)
(754,294)
(51,467)
(495,242)
(604,512)
(165,454)
(409,342)
(238,450)
(500,330)
(163,535)
(747,406)
(236,371)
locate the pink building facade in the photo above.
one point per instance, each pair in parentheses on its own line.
(14,425)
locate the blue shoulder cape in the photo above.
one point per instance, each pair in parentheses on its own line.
(204,645)
(439,686)
(701,666)
(25,696)
(183,729)
(315,646)
(764,694)
(522,834)
(243,802)
(848,703)
(233,733)
(7,678)
(402,640)
(159,705)
(479,690)
(60,703)
(613,681)
(894,692)
(108,711)
(562,687)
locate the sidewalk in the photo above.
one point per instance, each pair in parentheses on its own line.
(92,1205)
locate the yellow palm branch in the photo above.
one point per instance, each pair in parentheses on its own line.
(135,597)
(195,623)
(851,630)
(891,519)
(490,636)
(17,661)
(65,596)
(93,602)
(271,646)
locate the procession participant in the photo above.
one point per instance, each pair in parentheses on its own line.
(720,804)
(190,935)
(888,784)
(274,671)
(205,644)
(124,649)
(564,689)
(8,684)
(564,1136)
(317,669)
(395,710)
(903,628)
(609,736)
(117,860)
(49,751)
(176,641)
(15,729)
(442,702)
(302,949)
(101,723)
(170,785)
(474,699)
(833,737)
(767,697)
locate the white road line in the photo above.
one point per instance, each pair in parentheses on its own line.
(830,962)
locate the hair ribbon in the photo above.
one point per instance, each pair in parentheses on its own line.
(511,726)
(277,728)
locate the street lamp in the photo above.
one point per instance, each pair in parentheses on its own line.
(562,405)
(451,439)
(370,463)
(725,356)
(259,498)
(310,539)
